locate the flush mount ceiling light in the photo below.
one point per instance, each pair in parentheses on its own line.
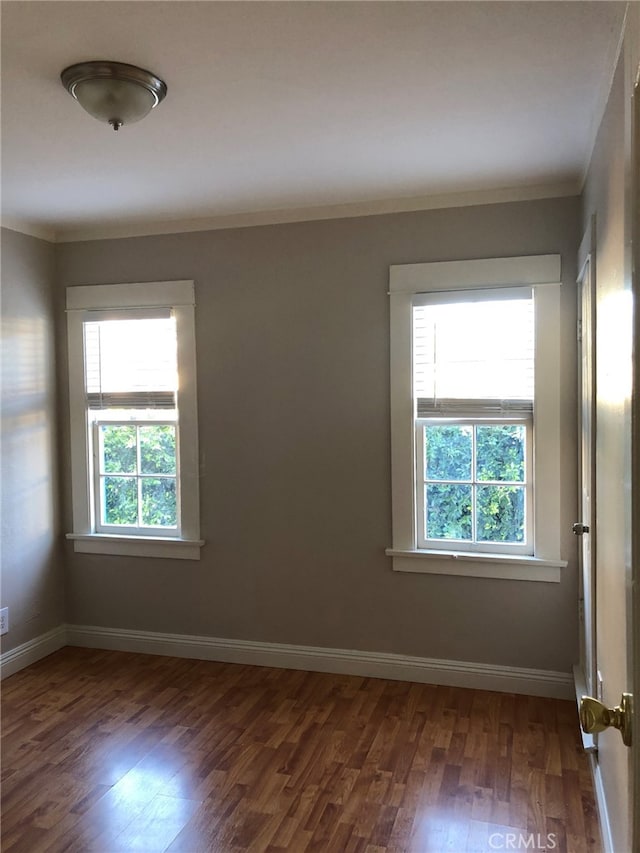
(114,91)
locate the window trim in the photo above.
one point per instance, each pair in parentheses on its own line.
(180,297)
(542,272)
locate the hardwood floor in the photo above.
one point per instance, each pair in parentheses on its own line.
(114,752)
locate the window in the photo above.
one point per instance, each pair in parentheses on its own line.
(475,417)
(133,419)
(473,387)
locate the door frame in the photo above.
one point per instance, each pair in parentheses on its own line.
(586,678)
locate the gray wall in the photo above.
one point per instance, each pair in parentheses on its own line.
(293,351)
(32,577)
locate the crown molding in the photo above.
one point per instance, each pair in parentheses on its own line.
(309,214)
(410,204)
(42,232)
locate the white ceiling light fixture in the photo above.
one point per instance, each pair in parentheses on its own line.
(114,91)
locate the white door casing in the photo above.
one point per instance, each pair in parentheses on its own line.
(587,460)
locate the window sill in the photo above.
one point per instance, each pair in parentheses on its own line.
(136,546)
(467,564)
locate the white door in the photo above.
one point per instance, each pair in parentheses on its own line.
(612,194)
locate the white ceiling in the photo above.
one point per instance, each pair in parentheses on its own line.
(280,106)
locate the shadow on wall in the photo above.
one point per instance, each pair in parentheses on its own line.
(28,470)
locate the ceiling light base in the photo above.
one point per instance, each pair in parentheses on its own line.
(114,92)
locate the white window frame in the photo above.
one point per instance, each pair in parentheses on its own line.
(542,272)
(179,296)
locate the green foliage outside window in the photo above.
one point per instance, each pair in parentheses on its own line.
(449,464)
(449,510)
(124,449)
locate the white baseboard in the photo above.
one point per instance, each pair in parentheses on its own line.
(506,679)
(591,748)
(601,805)
(32,651)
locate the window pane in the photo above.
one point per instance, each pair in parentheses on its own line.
(159,501)
(500,513)
(500,452)
(118,449)
(448,512)
(120,500)
(158,449)
(448,452)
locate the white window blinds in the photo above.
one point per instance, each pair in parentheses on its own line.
(130,361)
(473,353)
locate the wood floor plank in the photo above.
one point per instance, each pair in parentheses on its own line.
(108,752)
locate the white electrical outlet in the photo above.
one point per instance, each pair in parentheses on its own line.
(4,620)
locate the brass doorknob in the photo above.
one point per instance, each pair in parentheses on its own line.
(596,717)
